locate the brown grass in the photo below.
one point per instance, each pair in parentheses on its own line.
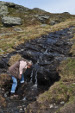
(9,42)
(68,108)
(2,101)
(3,78)
(14,58)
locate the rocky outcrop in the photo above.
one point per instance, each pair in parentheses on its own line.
(43,18)
(13,5)
(10,21)
(39,11)
(31,16)
(3,10)
(53,22)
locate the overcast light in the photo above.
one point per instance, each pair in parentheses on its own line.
(52,6)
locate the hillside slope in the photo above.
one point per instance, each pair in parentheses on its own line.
(39,29)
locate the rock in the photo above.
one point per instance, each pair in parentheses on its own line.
(51,106)
(67,13)
(18,30)
(10,21)
(2,64)
(3,10)
(22,8)
(47,76)
(24,99)
(62,102)
(55,107)
(1,50)
(10,4)
(43,18)
(40,11)
(52,22)
(43,25)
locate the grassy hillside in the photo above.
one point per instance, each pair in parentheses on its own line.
(11,38)
(31,28)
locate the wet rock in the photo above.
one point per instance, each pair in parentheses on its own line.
(24,99)
(10,21)
(32,55)
(47,76)
(62,102)
(3,64)
(51,105)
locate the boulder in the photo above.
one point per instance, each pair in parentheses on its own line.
(10,21)
(3,10)
(43,18)
(53,22)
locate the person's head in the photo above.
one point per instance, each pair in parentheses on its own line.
(29,64)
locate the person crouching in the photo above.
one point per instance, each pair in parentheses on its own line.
(16,71)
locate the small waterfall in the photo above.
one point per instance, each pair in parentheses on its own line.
(34,74)
(35,85)
(46,51)
(31,76)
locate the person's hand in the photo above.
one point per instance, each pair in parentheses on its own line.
(19,76)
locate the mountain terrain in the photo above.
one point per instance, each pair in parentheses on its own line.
(49,41)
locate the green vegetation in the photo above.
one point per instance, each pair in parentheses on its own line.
(32,28)
(68,70)
(72,51)
(64,90)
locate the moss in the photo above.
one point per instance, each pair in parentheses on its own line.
(67,70)
(57,93)
(72,51)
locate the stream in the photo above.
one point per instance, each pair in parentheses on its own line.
(46,53)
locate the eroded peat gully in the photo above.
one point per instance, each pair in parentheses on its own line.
(46,52)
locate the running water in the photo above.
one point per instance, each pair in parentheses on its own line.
(46,51)
(34,71)
(31,76)
(35,85)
